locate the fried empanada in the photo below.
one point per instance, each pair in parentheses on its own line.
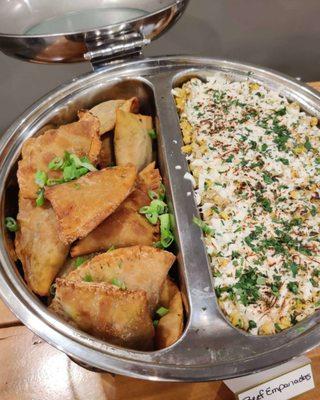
(83,204)
(73,263)
(106,112)
(125,227)
(132,142)
(120,317)
(80,138)
(136,267)
(170,326)
(38,246)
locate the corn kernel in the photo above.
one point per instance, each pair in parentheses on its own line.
(300,149)
(224,215)
(314,121)
(187,149)
(267,328)
(294,194)
(223,261)
(253,86)
(284,322)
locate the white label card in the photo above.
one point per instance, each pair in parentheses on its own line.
(282,388)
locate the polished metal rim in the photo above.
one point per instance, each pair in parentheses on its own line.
(210,347)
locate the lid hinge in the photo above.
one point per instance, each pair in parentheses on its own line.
(104,50)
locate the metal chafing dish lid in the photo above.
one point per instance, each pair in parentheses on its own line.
(47,31)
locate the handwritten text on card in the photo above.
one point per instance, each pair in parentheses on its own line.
(282,388)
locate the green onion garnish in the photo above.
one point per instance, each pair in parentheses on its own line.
(205,227)
(155,323)
(56,163)
(152,133)
(152,195)
(166,236)
(41,178)
(119,283)
(162,311)
(162,192)
(79,261)
(52,182)
(40,198)
(11,224)
(88,278)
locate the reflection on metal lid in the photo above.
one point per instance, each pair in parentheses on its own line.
(85,20)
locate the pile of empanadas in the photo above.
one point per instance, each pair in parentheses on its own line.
(93,227)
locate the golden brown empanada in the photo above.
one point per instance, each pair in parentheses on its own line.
(82,204)
(136,267)
(80,138)
(120,317)
(38,246)
(132,142)
(170,326)
(106,112)
(126,226)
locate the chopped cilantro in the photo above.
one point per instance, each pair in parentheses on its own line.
(293,287)
(252,324)
(284,161)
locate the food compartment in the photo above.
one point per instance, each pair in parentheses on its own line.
(163,296)
(221,115)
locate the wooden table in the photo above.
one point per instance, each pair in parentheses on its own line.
(33,370)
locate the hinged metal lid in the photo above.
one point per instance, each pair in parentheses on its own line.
(46,31)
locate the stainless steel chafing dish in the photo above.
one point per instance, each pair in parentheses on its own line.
(210,347)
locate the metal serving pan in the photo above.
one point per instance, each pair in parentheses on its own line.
(210,347)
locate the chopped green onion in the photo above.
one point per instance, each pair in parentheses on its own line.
(88,278)
(81,171)
(155,323)
(71,166)
(152,195)
(69,173)
(166,236)
(11,224)
(205,227)
(56,163)
(40,198)
(119,283)
(110,249)
(79,261)
(152,218)
(82,162)
(162,311)
(152,133)
(41,178)
(158,206)
(162,192)
(53,182)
